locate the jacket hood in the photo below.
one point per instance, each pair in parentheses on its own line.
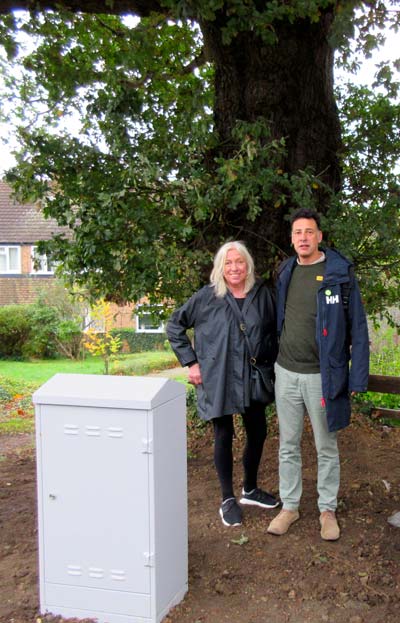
(337,266)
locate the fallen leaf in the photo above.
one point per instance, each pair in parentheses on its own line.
(241,541)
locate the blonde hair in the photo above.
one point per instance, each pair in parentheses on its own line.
(217,274)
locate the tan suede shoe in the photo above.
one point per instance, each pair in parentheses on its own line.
(330,530)
(282,522)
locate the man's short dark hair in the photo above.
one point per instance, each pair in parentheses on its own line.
(305,213)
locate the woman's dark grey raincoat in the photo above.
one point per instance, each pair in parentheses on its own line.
(219,345)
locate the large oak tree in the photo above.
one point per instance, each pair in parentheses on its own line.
(202,120)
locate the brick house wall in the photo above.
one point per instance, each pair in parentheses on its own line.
(124,317)
(22,225)
(22,290)
(24,287)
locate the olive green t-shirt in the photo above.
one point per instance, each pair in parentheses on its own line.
(298,349)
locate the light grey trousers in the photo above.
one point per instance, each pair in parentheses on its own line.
(294,394)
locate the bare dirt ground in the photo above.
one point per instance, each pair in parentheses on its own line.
(244,575)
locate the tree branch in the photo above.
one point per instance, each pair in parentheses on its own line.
(141,8)
(195,63)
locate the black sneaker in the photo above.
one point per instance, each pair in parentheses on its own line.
(258,497)
(230,513)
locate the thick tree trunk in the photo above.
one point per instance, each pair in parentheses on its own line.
(290,85)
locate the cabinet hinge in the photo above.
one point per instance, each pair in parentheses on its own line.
(148,559)
(147,446)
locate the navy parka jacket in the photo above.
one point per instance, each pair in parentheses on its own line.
(335,330)
(219,345)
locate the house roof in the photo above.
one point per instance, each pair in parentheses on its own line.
(23,223)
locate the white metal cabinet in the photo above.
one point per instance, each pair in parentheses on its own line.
(112,497)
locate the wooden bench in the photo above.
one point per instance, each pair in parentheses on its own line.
(385,385)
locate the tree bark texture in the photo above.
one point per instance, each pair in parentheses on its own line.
(289,84)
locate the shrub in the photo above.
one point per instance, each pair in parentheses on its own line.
(15,329)
(69,338)
(40,342)
(103,344)
(384,359)
(149,362)
(37,330)
(139,342)
(51,335)
(70,309)
(191,403)
(5,395)
(194,423)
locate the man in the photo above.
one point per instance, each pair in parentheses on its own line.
(321,324)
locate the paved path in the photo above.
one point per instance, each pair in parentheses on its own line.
(171,373)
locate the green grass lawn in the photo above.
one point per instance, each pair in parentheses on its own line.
(19,379)
(41,370)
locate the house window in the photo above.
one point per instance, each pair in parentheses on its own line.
(148,321)
(10,259)
(40,264)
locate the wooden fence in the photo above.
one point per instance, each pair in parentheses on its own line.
(385,385)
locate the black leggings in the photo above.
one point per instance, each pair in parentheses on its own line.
(255,424)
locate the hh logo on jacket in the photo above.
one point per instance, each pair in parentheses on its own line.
(330,298)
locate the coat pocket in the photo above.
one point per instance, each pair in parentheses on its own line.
(338,377)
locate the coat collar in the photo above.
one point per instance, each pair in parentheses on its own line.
(249,297)
(337,266)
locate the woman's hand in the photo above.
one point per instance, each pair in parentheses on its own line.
(195,375)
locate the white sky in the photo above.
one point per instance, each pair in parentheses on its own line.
(6,159)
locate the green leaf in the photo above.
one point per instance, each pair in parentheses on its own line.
(242,540)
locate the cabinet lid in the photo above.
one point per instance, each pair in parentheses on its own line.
(96,390)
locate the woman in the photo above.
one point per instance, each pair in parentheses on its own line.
(219,365)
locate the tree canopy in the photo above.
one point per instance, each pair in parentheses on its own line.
(157,130)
